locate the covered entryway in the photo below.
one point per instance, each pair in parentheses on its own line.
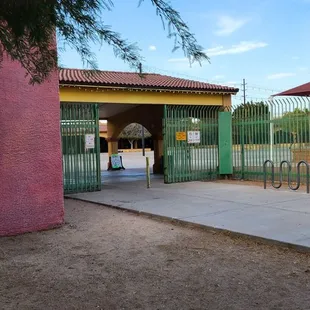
(123,98)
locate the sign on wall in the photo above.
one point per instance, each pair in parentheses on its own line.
(116,161)
(193,136)
(89,141)
(180,136)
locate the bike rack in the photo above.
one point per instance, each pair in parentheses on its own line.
(302,162)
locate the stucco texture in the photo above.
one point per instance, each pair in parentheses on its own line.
(31,191)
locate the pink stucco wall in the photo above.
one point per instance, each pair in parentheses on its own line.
(31,194)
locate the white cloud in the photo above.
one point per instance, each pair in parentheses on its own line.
(242,47)
(280,75)
(231,83)
(302,69)
(152,48)
(218,77)
(227,25)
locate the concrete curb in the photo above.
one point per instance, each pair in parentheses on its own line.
(184,223)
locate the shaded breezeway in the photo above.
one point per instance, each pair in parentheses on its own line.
(207,157)
(135,168)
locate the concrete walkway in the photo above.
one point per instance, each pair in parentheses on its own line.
(270,214)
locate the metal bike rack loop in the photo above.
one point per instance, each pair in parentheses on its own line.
(302,162)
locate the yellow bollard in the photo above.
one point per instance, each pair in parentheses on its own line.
(148,176)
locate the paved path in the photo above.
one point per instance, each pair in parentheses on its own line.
(277,215)
(130,160)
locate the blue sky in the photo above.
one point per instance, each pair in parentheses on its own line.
(265,42)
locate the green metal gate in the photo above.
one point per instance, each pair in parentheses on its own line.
(80,147)
(190,143)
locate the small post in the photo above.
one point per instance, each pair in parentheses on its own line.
(148,176)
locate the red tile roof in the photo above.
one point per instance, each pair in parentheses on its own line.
(302,90)
(134,80)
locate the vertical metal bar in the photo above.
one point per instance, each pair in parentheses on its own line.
(80,149)
(97,145)
(74,139)
(62,130)
(92,151)
(173,145)
(143,140)
(204,136)
(252,151)
(89,157)
(83,125)
(71,176)
(271,129)
(242,132)
(167,145)
(255,145)
(173,172)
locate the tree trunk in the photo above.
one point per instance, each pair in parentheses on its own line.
(131,143)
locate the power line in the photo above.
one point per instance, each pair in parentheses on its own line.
(254,87)
(182,75)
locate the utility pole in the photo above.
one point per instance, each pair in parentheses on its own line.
(243,88)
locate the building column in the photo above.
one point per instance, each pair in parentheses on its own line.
(227,102)
(31,190)
(158,153)
(112,146)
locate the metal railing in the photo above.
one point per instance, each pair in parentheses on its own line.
(289,181)
(275,129)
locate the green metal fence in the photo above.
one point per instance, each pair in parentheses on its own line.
(190,143)
(276,130)
(80,147)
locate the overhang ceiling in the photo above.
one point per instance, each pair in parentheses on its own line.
(108,110)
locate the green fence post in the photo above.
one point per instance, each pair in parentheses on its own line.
(165,145)
(225,143)
(242,151)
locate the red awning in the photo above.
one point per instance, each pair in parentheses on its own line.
(302,90)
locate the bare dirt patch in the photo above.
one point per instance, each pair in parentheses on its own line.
(109,259)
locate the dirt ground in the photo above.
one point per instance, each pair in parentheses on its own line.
(109,259)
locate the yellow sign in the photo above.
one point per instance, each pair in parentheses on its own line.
(180,136)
